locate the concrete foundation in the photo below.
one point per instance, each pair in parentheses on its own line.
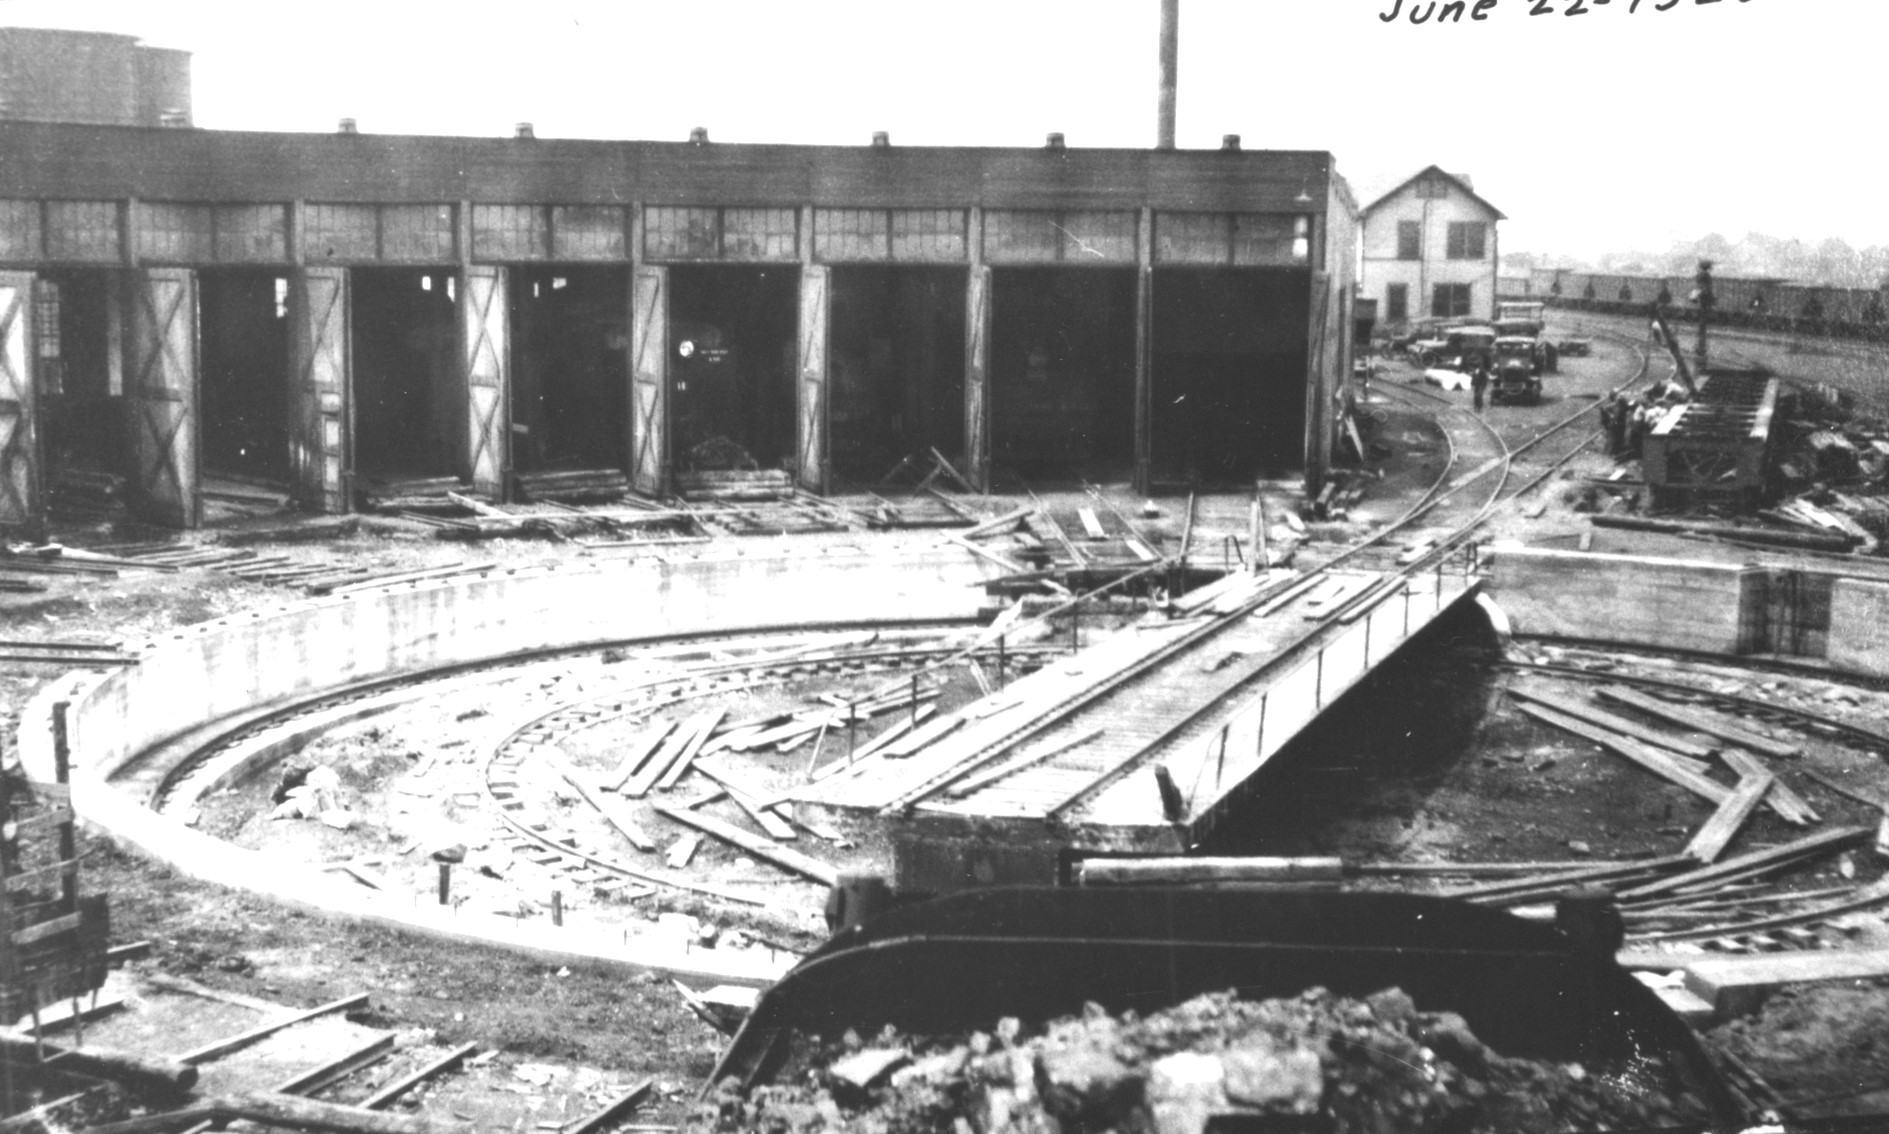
(240,664)
(1629,599)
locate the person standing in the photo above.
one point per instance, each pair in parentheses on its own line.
(1478,380)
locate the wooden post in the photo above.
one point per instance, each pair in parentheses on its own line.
(1002,660)
(1258,540)
(557,907)
(1144,353)
(445,883)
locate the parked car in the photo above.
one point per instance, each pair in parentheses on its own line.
(1455,347)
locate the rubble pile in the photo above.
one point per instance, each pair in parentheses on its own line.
(1330,1062)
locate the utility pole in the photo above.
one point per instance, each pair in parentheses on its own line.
(1170,71)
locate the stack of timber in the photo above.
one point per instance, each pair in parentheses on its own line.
(231,496)
(773,516)
(575,486)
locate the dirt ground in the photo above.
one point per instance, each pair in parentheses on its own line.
(1427,759)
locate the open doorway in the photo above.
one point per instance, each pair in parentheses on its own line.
(731,366)
(81,373)
(243,324)
(1063,371)
(1229,372)
(570,401)
(897,356)
(409,397)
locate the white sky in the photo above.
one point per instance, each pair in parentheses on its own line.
(1606,131)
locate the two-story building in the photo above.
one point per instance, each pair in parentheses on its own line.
(1430,250)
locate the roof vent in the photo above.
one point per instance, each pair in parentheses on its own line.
(881,140)
(1230,143)
(523,130)
(1055,141)
(347,126)
(699,136)
(174,119)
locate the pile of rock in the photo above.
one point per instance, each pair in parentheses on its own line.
(1327,1062)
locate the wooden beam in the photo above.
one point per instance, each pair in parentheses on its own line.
(606,1114)
(1595,715)
(612,810)
(1741,864)
(1790,806)
(1674,769)
(387,1095)
(785,857)
(1718,832)
(261,1032)
(704,724)
(282,1111)
(1709,724)
(144,1072)
(776,827)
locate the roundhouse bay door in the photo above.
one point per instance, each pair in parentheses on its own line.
(485,338)
(20,498)
(162,392)
(649,380)
(319,388)
(815,309)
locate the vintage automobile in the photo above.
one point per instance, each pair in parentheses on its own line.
(1518,366)
(1454,347)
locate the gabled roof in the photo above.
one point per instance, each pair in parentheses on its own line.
(1459,181)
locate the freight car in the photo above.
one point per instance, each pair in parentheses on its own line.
(1750,302)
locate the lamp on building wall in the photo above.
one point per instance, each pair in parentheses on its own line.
(523,130)
(347,126)
(1055,141)
(698,136)
(881,140)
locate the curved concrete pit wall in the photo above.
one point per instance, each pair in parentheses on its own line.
(259,659)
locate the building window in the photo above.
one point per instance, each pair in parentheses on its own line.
(1450,301)
(1396,303)
(46,332)
(1433,188)
(1409,240)
(1468,240)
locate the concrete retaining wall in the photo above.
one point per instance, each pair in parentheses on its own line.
(1859,626)
(1629,599)
(254,660)
(1708,607)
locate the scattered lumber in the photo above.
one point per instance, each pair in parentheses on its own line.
(705,724)
(1011,767)
(164,1077)
(786,857)
(1708,723)
(1674,769)
(641,749)
(1769,858)
(1718,832)
(1004,523)
(1605,719)
(1518,889)
(612,812)
(1783,798)
(776,827)
(237,1042)
(268,1109)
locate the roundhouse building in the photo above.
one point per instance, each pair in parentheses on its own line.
(325,310)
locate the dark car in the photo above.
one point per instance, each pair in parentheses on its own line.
(1517,376)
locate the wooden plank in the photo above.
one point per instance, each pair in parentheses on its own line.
(610,809)
(1659,763)
(60,1013)
(52,927)
(784,857)
(1741,864)
(1718,831)
(652,769)
(776,827)
(1790,806)
(1710,724)
(1003,523)
(1091,523)
(386,1096)
(706,723)
(40,875)
(1595,715)
(241,1040)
